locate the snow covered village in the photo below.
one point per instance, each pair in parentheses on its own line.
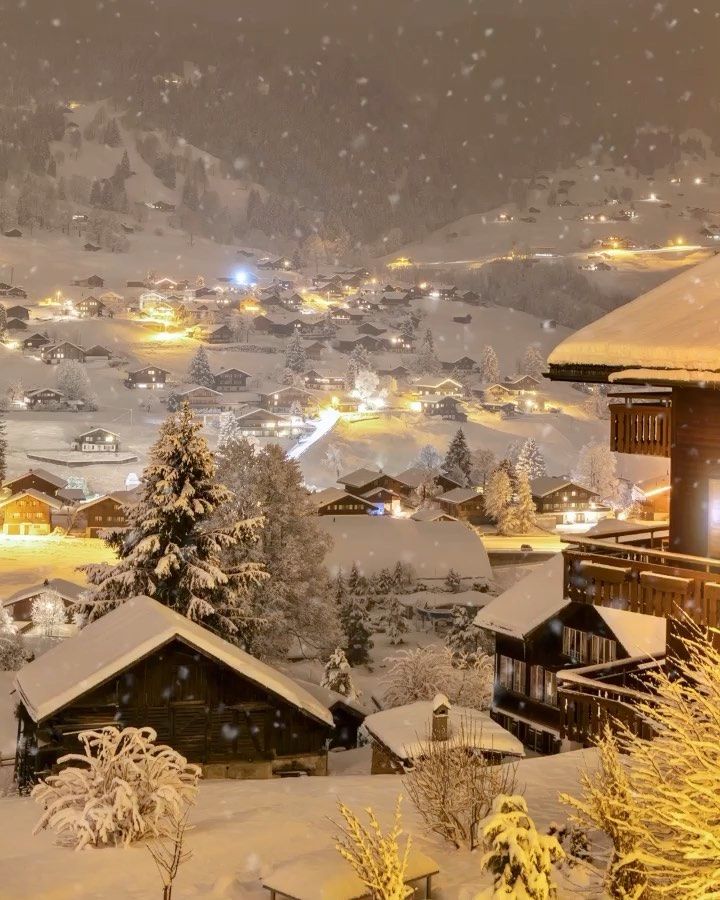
(359,450)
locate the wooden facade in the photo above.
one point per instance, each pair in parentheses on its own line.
(151,377)
(231,380)
(38,480)
(641,427)
(96,516)
(60,352)
(27,513)
(229,724)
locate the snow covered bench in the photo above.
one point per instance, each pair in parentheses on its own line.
(327,876)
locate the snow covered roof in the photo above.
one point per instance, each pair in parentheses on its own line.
(431,514)
(378,542)
(405,730)
(459,495)
(50,477)
(546,484)
(68,590)
(639,634)
(330,698)
(671,332)
(528,603)
(120,638)
(445,599)
(52,502)
(333,495)
(359,477)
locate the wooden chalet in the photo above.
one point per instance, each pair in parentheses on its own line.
(314,350)
(29,512)
(90,307)
(58,353)
(16,325)
(199,397)
(367,342)
(569,503)
(223,334)
(465,364)
(362,480)
(443,407)
(37,479)
(19,604)
(336,502)
(144,664)
(35,340)
(97,351)
(438,388)
(318,380)
(464,503)
(228,380)
(265,423)
(97,440)
(412,479)
(149,377)
(284,399)
(18,312)
(94,281)
(102,514)
(45,398)
(663,346)
(541,637)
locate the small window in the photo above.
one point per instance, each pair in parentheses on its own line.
(575,644)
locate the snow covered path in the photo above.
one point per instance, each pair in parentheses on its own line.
(324,424)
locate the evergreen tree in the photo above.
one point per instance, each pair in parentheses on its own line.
(463,636)
(3,322)
(384,583)
(296,600)
(296,260)
(427,361)
(458,462)
(524,506)
(498,494)
(356,583)
(171,550)
(199,371)
(530,460)
(295,358)
(112,134)
(337,675)
(95,193)
(533,362)
(407,332)
(453,581)
(489,366)
(395,622)
(173,402)
(353,618)
(229,431)
(190,198)
(123,169)
(519,858)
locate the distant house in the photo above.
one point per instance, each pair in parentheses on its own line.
(163,206)
(149,377)
(463,320)
(444,408)
(464,503)
(98,352)
(362,480)
(285,398)
(28,512)
(323,381)
(210,701)
(525,384)
(336,502)
(101,514)
(228,380)
(264,423)
(367,342)
(411,479)
(201,397)
(438,387)
(18,312)
(57,353)
(91,248)
(37,479)
(463,364)
(97,440)
(12,290)
(13,233)
(19,604)
(44,398)
(223,334)
(431,514)
(400,735)
(35,340)
(90,307)
(569,503)
(94,281)
(369,328)
(314,350)
(399,373)
(16,325)
(348,715)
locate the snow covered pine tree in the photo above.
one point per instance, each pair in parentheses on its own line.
(170,550)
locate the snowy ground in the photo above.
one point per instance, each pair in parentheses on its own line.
(25,561)
(242,829)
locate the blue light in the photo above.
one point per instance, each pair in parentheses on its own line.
(242,277)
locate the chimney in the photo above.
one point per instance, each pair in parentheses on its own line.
(440,718)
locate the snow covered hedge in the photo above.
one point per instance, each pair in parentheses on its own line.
(123,788)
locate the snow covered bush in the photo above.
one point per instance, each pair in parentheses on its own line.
(13,654)
(377,857)
(465,679)
(607,804)
(48,613)
(519,858)
(124,787)
(394,621)
(338,675)
(453,787)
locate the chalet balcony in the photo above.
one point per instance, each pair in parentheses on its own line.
(607,694)
(641,424)
(643,577)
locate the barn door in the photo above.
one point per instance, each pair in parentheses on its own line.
(189,730)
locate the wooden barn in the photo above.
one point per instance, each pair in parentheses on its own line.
(38,479)
(29,512)
(231,380)
(105,513)
(144,664)
(336,502)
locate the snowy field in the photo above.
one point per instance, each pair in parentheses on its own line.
(29,560)
(241,829)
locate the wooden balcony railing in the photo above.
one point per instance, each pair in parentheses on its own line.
(588,701)
(644,580)
(640,428)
